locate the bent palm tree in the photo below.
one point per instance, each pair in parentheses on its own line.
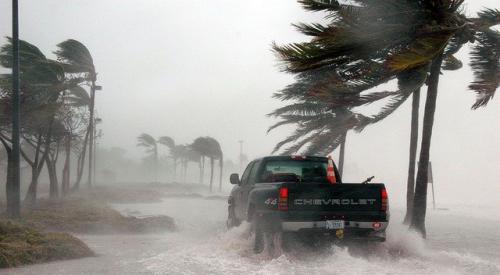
(170,144)
(76,59)
(149,143)
(370,43)
(209,147)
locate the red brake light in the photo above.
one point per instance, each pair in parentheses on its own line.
(297,157)
(283,199)
(330,172)
(385,200)
(376,225)
(284,193)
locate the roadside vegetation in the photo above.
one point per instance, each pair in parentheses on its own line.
(21,245)
(58,119)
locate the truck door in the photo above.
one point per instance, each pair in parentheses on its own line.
(249,185)
(240,201)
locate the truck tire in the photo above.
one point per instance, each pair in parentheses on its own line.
(232,221)
(266,237)
(257,235)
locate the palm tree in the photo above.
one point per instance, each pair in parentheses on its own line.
(209,147)
(42,82)
(149,142)
(76,97)
(170,144)
(369,44)
(76,59)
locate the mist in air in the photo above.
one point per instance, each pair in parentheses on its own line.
(182,97)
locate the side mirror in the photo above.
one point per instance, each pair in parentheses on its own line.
(234,178)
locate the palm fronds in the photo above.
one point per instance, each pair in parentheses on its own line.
(75,57)
(485,63)
(146,141)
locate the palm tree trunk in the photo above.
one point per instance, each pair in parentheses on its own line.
(66,169)
(211,172)
(31,194)
(185,171)
(342,154)
(420,199)
(410,183)
(221,164)
(175,169)
(81,161)
(156,162)
(13,204)
(202,168)
(53,181)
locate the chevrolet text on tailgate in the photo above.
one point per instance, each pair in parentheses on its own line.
(305,196)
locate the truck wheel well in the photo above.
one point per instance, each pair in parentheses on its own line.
(250,212)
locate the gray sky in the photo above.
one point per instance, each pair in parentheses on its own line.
(195,68)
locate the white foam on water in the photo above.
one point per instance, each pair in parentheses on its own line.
(230,253)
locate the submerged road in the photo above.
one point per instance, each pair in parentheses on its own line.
(460,241)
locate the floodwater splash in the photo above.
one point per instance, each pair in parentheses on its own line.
(230,252)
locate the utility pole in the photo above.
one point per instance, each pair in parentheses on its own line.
(93,89)
(91,135)
(14,183)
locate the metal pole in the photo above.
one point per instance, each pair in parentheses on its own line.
(91,130)
(14,183)
(95,151)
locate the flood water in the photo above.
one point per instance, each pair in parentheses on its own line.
(461,240)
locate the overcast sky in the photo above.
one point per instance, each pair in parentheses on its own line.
(195,68)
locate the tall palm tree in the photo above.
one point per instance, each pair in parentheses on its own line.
(201,146)
(77,97)
(151,146)
(170,144)
(209,147)
(43,82)
(373,42)
(76,59)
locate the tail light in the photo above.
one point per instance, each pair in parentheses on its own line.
(377,225)
(330,171)
(283,199)
(385,200)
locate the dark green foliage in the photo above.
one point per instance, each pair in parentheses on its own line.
(485,63)
(370,43)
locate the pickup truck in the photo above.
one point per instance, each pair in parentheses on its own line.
(305,195)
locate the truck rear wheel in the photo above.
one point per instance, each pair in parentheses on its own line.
(265,237)
(257,235)
(232,221)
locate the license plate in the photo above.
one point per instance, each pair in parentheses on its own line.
(334,224)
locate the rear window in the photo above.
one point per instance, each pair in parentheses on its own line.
(293,171)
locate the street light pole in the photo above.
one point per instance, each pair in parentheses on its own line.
(14,183)
(91,135)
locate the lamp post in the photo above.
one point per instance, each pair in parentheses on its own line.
(14,183)
(93,89)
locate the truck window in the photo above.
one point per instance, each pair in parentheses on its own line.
(294,171)
(244,177)
(254,173)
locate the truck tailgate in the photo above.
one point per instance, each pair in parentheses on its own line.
(338,199)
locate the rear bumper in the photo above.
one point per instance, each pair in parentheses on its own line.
(302,225)
(353,230)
